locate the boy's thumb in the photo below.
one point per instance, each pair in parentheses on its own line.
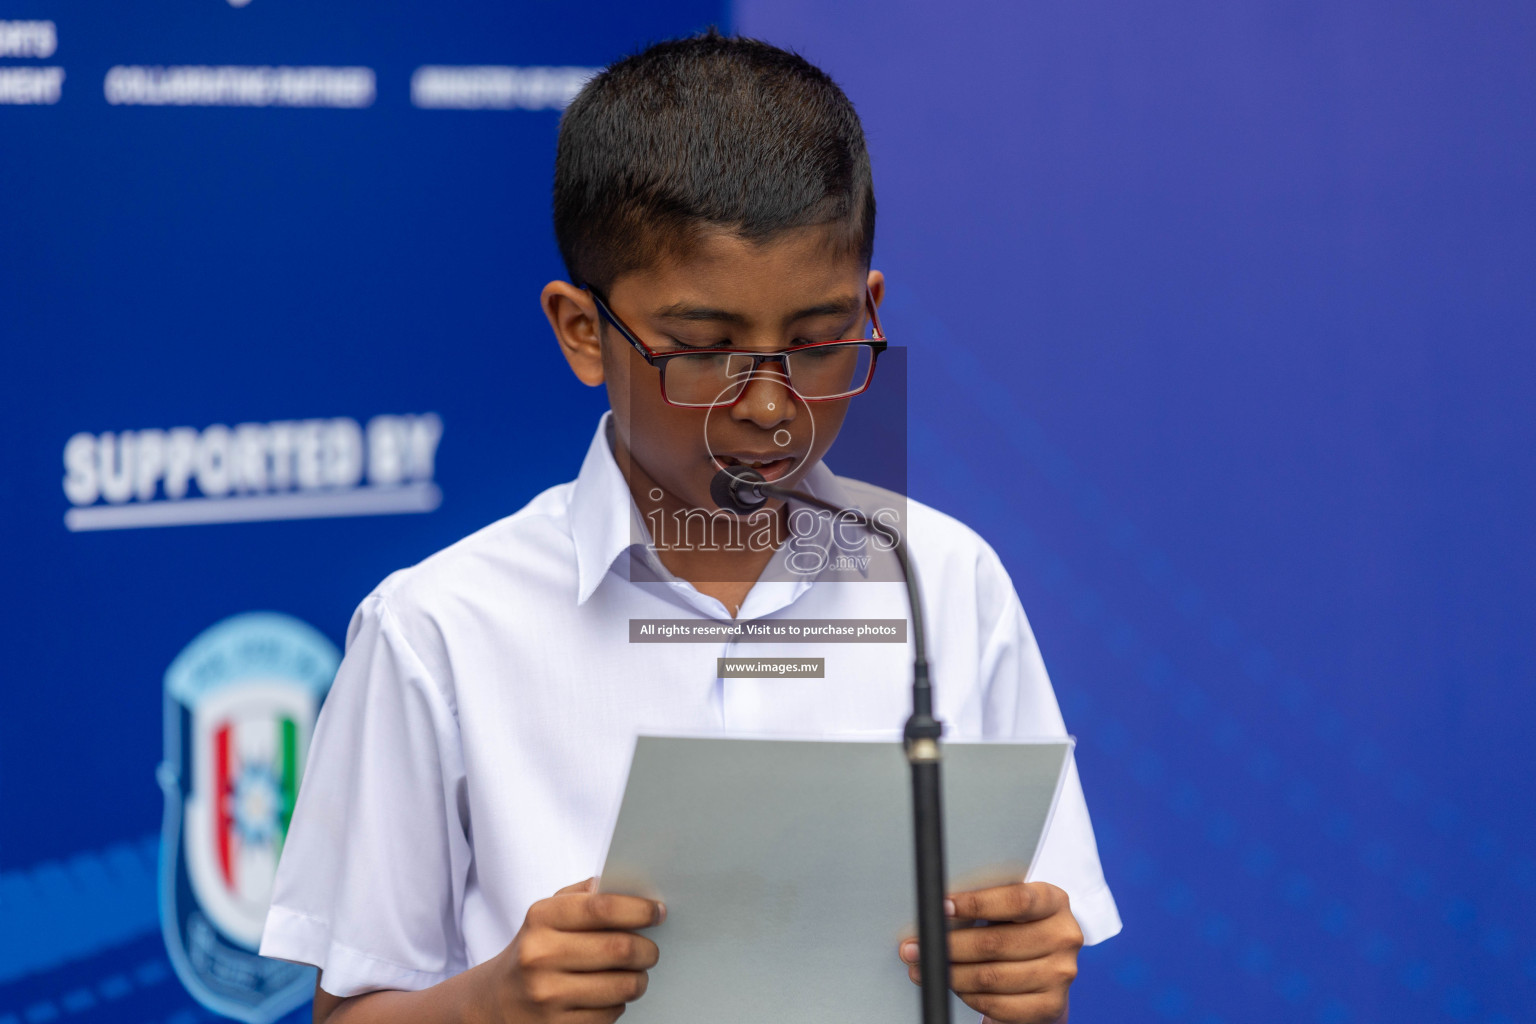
(589,885)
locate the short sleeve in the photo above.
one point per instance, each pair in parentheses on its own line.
(371,881)
(1022,705)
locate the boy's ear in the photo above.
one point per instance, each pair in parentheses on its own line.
(876,282)
(574,319)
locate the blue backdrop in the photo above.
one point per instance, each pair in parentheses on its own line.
(1220,324)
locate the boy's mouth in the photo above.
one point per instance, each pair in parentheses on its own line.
(773,467)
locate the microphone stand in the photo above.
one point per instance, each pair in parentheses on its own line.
(734,488)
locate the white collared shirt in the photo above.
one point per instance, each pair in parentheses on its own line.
(473,750)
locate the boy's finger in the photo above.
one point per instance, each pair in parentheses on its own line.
(994,943)
(599,911)
(1022,901)
(1003,942)
(605,988)
(604,951)
(603,1015)
(586,885)
(1029,1006)
(996,978)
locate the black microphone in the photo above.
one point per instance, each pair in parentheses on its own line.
(743,489)
(735,489)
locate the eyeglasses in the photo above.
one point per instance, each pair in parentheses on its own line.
(707,378)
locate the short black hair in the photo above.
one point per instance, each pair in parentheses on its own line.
(708,131)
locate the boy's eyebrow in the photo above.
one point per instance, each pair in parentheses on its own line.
(684,311)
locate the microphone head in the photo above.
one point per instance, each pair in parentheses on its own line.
(734,489)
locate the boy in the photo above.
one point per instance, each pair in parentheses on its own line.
(714,207)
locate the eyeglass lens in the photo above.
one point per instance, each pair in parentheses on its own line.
(720,377)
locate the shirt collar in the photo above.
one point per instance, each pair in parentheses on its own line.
(822,483)
(607,525)
(605,522)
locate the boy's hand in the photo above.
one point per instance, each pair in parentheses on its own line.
(1013,952)
(577,959)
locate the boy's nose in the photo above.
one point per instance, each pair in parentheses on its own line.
(767,401)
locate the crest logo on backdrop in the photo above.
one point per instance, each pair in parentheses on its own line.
(240,705)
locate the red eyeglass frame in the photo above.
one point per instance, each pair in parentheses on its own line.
(877,345)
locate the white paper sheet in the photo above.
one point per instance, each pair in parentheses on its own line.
(786,868)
